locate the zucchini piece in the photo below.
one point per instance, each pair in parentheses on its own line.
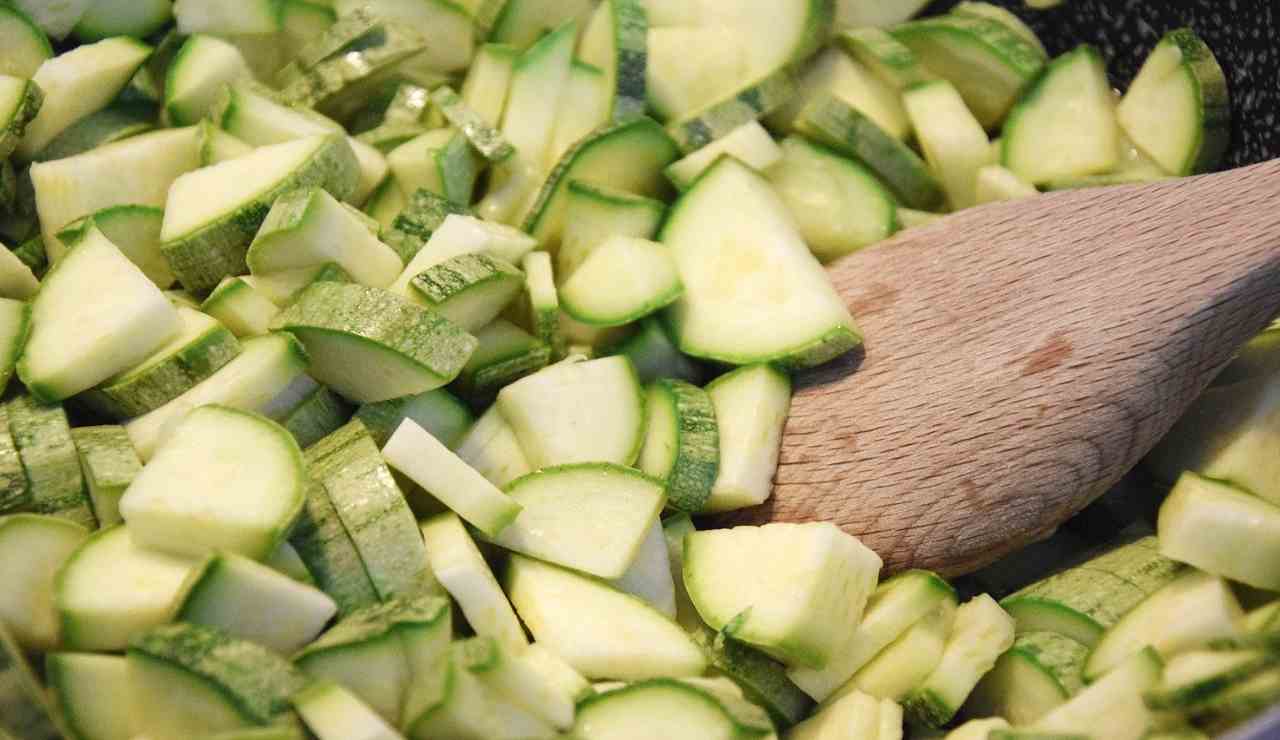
(228,592)
(732,209)
(15,326)
(32,549)
(194,680)
(25,44)
(854,715)
(470,289)
(627,156)
(492,449)
(996,183)
(452,32)
(749,143)
(751,406)
(488,78)
(438,412)
(330,556)
(348,329)
(1208,524)
(282,288)
(954,143)
(889,59)
(1038,674)
(383,205)
(582,108)
(258,116)
(309,227)
(302,21)
(168,509)
(615,40)
(522,22)
(538,79)
(649,575)
(907,662)
(56,19)
(1177,110)
(1112,706)
(205,239)
(134,229)
(379,651)
(654,355)
(462,570)
(439,161)
(837,74)
(1194,677)
(77,83)
(834,123)
(351,29)
(24,704)
(981,729)
(196,75)
(689,66)
(1004,16)
(622,280)
(340,85)
(539,308)
(777,33)
(839,205)
(20,102)
(109,464)
(423,215)
(51,470)
(111,589)
(333,713)
(115,315)
(1207,609)
(987,62)
(422,458)
(593,214)
(682,443)
(240,307)
(68,189)
(32,256)
(120,120)
(506,354)
(892,609)
(17,282)
(762,679)
(77,682)
(137,18)
(265,367)
(750,102)
(822,575)
(606,424)
(373,511)
(1065,124)
(597,629)
(591,517)
(532,678)
(666,707)
(484,137)
(201,347)
(316,415)
(211,16)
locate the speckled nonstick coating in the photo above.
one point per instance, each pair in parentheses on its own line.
(1244,35)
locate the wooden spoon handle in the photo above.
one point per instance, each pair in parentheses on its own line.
(1020,358)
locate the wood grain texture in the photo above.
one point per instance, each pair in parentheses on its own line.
(1020,358)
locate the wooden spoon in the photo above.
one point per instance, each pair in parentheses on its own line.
(1020,358)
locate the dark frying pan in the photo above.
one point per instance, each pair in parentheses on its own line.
(1244,35)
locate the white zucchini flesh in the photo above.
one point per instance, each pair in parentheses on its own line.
(78,83)
(622,280)
(244,499)
(15,326)
(254,602)
(600,631)
(538,681)
(954,142)
(32,549)
(470,290)
(462,570)
(776,32)
(1112,706)
(264,368)
(750,143)
(87,690)
(538,79)
(196,75)
(667,708)
(240,307)
(137,18)
(593,214)
(590,517)
(421,457)
(492,448)
(460,235)
(25,44)
(606,424)
(855,715)
(96,315)
(1209,524)
(333,713)
(790,589)
(996,183)
(649,576)
(751,406)
(584,106)
(17,282)
(743,264)
(111,589)
(907,661)
(69,188)
(690,67)
(485,88)
(211,16)
(311,227)
(252,114)
(135,229)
